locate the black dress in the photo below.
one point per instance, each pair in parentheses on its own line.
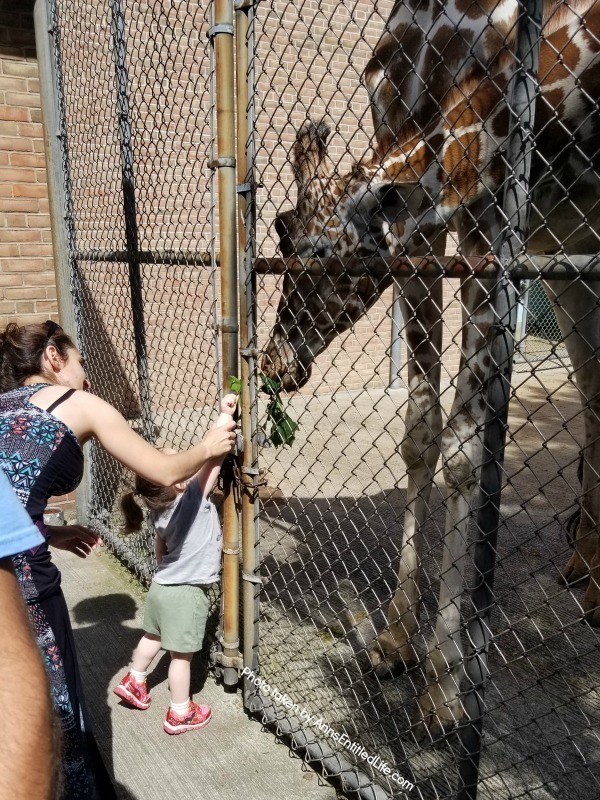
(41,457)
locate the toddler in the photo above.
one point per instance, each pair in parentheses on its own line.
(188,545)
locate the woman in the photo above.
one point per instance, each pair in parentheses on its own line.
(45,418)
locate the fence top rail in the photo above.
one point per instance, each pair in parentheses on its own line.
(549,267)
(174,257)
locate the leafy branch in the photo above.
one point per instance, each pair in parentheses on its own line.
(283,427)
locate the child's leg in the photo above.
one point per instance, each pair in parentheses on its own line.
(183,714)
(145,653)
(179,677)
(133,688)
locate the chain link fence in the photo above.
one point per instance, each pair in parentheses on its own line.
(380,681)
(360,667)
(136,111)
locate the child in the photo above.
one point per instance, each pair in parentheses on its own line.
(188,546)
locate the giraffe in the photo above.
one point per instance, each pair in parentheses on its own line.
(436,85)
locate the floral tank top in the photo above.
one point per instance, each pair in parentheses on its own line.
(41,457)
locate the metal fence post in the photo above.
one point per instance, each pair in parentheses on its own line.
(222,33)
(513,244)
(247,289)
(59,196)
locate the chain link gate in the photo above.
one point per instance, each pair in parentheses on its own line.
(135,133)
(327,533)
(333,523)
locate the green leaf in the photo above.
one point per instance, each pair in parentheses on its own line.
(235,384)
(283,427)
(269,385)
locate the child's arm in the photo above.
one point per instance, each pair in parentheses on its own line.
(209,472)
(160,548)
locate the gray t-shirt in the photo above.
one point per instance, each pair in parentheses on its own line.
(190,528)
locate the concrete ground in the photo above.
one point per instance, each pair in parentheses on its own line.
(232,757)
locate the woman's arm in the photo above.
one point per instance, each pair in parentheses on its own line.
(93,417)
(29,753)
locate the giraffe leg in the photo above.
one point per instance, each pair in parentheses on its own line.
(462,447)
(578,312)
(421,300)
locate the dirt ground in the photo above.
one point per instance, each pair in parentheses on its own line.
(330,551)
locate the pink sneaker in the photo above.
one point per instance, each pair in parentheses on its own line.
(134,693)
(195,717)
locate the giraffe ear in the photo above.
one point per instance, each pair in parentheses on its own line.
(310,151)
(391,201)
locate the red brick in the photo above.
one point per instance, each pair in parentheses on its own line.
(12,113)
(29,205)
(21,293)
(29,190)
(28,159)
(16,143)
(26,235)
(38,220)
(23,265)
(45,305)
(22,99)
(32,129)
(11,279)
(9,128)
(41,250)
(13,220)
(40,279)
(10,249)
(19,69)
(12,175)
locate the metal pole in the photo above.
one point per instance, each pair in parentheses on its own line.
(396,340)
(247,290)
(522,315)
(222,36)
(513,243)
(129,209)
(60,198)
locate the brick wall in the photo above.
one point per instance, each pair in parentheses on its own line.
(27,280)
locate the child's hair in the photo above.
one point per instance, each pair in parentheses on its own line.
(22,347)
(155,498)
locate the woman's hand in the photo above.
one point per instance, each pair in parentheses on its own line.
(74,538)
(220,441)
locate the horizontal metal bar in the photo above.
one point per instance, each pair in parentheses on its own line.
(174,257)
(336,767)
(559,267)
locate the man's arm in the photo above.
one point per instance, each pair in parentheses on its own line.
(29,758)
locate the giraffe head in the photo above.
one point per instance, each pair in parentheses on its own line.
(360,214)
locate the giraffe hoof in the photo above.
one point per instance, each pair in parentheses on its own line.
(575,571)
(390,658)
(591,605)
(440,711)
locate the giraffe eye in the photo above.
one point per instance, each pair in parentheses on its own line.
(320,252)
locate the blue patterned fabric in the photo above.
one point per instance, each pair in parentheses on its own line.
(17,531)
(41,457)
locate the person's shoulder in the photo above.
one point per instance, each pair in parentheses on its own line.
(17,531)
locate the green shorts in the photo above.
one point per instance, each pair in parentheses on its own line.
(177,613)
